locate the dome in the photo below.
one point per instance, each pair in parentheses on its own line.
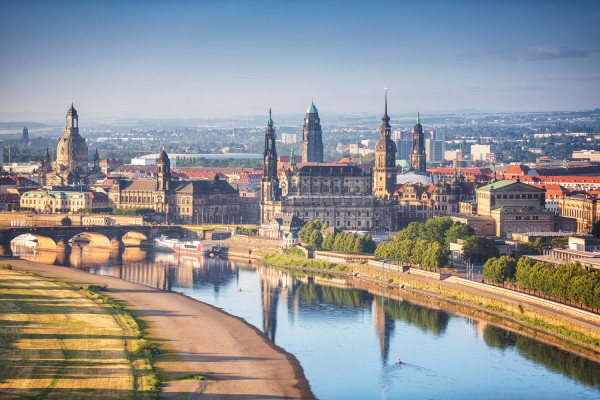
(72,152)
(72,111)
(312,109)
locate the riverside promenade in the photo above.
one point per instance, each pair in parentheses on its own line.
(235,360)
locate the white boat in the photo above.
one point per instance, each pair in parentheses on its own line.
(27,240)
(170,245)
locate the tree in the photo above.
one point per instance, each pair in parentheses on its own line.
(435,229)
(539,245)
(526,249)
(405,250)
(328,241)
(316,240)
(357,248)
(479,249)
(560,242)
(500,270)
(524,272)
(306,231)
(418,252)
(458,231)
(436,256)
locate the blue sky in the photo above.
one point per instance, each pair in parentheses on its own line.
(222,58)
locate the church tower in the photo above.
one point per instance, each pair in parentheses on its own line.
(385,171)
(312,136)
(269,186)
(163,177)
(25,135)
(417,154)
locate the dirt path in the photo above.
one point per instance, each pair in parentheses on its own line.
(239,360)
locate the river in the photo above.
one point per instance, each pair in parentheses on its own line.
(350,341)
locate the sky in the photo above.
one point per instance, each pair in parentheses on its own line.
(206,59)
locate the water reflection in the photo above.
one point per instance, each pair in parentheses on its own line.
(362,329)
(558,360)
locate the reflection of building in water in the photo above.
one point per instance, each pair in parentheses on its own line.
(384,326)
(85,256)
(147,273)
(133,254)
(273,284)
(215,273)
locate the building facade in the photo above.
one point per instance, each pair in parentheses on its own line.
(53,201)
(584,209)
(515,207)
(196,202)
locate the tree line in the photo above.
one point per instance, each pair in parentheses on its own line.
(568,281)
(311,236)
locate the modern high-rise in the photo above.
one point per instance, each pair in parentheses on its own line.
(312,136)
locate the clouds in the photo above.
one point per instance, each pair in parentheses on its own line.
(532,54)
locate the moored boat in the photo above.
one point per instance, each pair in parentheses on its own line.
(171,245)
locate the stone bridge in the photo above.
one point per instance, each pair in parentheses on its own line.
(114,236)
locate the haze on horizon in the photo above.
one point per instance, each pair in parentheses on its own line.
(204,59)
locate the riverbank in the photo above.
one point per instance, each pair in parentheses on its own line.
(59,341)
(204,351)
(552,324)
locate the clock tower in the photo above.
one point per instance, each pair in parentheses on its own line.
(384,173)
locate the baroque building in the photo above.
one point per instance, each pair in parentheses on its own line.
(385,171)
(335,193)
(71,165)
(417,154)
(312,136)
(201,201)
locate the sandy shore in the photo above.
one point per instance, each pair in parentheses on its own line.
(199,339)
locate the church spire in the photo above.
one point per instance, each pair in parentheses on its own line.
(418,117)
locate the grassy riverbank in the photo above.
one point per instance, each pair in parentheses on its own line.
(59,341)
(532,318)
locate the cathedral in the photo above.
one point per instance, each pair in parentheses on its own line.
(71,165)
(338,194)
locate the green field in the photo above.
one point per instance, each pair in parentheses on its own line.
(59,342)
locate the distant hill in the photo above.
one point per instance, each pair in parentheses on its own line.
(20,125)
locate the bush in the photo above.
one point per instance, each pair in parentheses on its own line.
(145,348)
(295,251)
(7,266)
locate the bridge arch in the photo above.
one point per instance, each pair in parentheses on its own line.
(134,238)
(95,238)
(43,242)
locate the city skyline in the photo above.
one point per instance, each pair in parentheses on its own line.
(218,59)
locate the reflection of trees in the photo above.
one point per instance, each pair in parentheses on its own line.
(314,294)
(558,360)
(426,319)
(498,338)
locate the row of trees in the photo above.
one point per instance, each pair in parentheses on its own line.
(431,255)
(311,235)
(567,281)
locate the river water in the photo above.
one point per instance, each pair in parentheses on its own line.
(349,340)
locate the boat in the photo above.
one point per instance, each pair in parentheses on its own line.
(171,245)
(27,240)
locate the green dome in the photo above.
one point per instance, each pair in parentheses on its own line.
(312,109)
